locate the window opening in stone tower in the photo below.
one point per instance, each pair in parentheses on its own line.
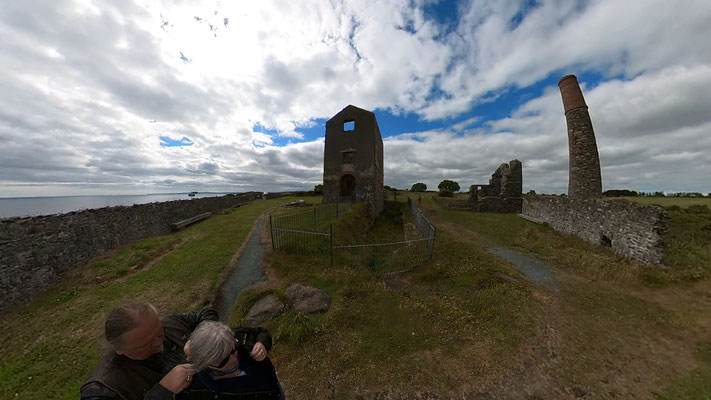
(348,126)
(348,157)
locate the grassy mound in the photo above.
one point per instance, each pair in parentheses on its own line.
(395,332)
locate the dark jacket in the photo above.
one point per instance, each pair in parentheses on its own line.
(120,378)
(259,380)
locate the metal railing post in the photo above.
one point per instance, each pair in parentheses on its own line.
(432,243)
(331,238)
(271,230)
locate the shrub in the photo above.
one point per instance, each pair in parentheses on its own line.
(445,193)
(419,187)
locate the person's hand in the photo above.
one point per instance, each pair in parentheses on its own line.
(259,353)
(178,378)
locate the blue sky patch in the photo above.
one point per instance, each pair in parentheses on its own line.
(165,141)
(443,12)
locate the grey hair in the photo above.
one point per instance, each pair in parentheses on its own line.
(210,343)
(124,318)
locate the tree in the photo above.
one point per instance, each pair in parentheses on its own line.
(620,193)
(318,189)
(419,187)
(450,185)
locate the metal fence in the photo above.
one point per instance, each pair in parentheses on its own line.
(388,257)
(424,225)
(311,231)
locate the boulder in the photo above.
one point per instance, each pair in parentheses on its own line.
(264,309)
(307,299)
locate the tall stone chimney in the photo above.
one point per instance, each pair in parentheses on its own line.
(584,178)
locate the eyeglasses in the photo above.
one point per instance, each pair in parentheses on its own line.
(227,359)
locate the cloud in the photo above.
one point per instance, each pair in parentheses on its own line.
(88,87)
(649,132)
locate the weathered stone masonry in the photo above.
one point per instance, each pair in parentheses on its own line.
(632,230)
(584,177)
(353,159)
(35,252)
(503,193)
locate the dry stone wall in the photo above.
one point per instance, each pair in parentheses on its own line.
(35,252)
(632,230)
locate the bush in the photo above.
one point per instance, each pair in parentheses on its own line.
(449,185)
(419,187)
(445,193)
(318,189)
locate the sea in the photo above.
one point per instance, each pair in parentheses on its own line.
(32,206)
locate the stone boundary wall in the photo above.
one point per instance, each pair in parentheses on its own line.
(632,230)
(510,205)
(452,204)
(36,251)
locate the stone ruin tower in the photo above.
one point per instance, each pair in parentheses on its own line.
(584,178)
(503,193)
(353,159)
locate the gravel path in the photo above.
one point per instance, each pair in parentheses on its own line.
(534,270)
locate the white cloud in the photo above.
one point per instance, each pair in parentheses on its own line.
(650,131)
(90,86)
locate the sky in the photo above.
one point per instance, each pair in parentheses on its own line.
(132,97)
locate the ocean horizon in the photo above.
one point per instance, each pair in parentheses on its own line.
(13,207)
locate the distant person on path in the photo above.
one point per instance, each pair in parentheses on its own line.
(419,200)
(145,359)
(233,360)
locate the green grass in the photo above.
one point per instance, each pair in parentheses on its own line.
(50,347)
(689,242)
(133,257)
(695,386)
(617,315)
(452,310)
(688,245)
(453,313)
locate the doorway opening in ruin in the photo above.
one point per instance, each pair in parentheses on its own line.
(347,185)
(605,241)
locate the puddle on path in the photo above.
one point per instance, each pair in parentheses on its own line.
(534,270)
(246,273)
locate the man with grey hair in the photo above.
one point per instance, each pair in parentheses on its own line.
(145,358)
(233,361)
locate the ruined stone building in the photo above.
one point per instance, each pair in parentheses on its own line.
(631,230)
(503,193)
(584,178)
(353,158)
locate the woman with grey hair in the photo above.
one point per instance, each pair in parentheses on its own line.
(233,360)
